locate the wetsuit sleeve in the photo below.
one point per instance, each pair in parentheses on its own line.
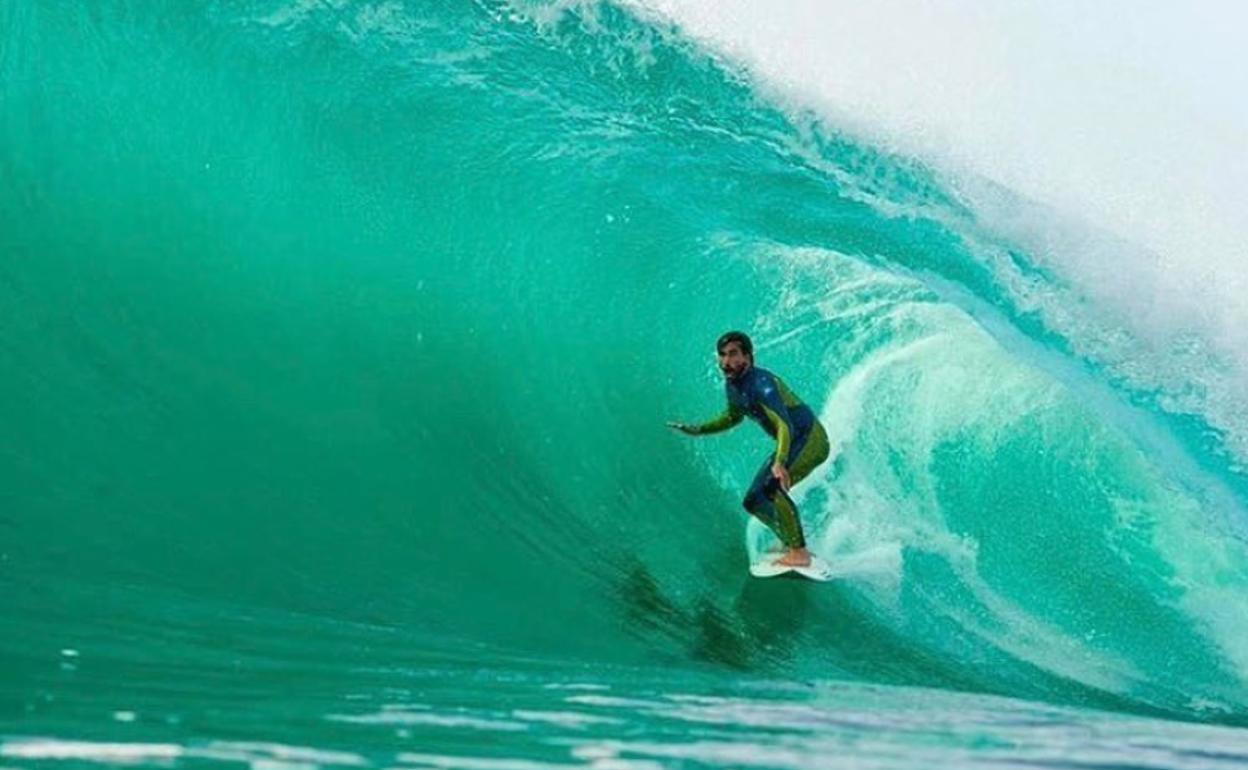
(773,406)
(731,416)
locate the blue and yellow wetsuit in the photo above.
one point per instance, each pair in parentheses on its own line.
(801,444)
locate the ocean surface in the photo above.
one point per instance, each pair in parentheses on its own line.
(337,342)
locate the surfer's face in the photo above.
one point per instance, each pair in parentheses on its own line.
(733,362)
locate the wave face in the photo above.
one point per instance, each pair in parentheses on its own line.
(374,312)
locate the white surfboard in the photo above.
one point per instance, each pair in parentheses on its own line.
(766,567)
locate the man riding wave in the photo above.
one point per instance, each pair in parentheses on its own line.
(801,442)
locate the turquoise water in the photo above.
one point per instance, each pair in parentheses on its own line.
(339,340)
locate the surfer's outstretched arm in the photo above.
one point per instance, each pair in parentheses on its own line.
(731,416)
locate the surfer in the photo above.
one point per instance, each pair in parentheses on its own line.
(801,442)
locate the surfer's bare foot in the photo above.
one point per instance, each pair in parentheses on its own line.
(795,557)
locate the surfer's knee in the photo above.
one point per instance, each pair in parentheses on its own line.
(750,501)
(757,502)
(756,496)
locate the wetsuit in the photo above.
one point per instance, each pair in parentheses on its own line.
(801,444)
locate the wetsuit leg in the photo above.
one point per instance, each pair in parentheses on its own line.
(810,455)
(767,501)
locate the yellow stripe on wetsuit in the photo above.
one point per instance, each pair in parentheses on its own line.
(783,435)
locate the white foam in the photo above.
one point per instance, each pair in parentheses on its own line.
(477,763)
(574,719)
(430,719)
(1123,111)
(1120,115)
(611,701)
(574,686)
(90,751)
(275,754)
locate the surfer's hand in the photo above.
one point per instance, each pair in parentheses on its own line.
(683,427)
(780,472)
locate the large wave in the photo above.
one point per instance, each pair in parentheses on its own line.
(375,311)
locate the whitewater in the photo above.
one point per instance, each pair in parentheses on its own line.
(339,340)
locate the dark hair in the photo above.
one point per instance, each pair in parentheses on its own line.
(741,338)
